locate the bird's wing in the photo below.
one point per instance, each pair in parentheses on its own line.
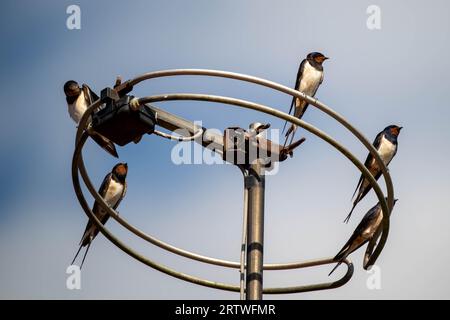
(102,141)
(102,190)
(366,221)
(376,145)
(297,84)
(89,94)
(369,160)
(95,209)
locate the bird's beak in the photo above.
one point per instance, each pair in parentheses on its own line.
(325,58)
(400,128)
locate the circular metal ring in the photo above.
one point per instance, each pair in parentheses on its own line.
(242,103)
(268,111)
(77,163)
(386,206)
(178,138)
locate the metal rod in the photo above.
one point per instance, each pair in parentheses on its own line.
(255,233)
(243,242)
(208,138)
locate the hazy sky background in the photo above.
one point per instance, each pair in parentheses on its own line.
(399,74)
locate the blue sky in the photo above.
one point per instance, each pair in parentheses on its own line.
(399,74)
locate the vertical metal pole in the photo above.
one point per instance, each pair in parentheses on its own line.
(244,241)
(255,183)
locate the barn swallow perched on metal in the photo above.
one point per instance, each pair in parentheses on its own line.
(386,145)
(309,78)
(78,100)
(112,190)
(363,233)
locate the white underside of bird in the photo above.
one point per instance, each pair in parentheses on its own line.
(386,150)
(77,108)
(311,79)
(114,193)
(310,82)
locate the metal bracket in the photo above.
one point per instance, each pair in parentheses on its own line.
(120,123)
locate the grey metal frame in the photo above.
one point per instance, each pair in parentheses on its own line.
(370,258)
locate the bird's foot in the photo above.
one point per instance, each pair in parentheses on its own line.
(134,104)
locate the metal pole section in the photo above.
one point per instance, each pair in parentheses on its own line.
(255,184)
(243,242)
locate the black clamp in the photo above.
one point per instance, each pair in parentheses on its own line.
(118,122)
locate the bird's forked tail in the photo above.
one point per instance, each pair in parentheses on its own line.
(82,244)
(336,266)
(351,211)
(290,134)
(341,256)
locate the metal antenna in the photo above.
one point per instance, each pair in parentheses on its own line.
(251,264)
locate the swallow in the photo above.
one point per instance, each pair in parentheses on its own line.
(363,233)
(386,144)
(78,100)
(112,190)
(309,78)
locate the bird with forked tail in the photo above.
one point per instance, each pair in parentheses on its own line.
(309,78)
(386,144)
(112,190)
(78,100)
(363,233)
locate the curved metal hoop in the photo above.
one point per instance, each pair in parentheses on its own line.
(178,138)
(246,104)
(276,113)
(386,206)
(77,163)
